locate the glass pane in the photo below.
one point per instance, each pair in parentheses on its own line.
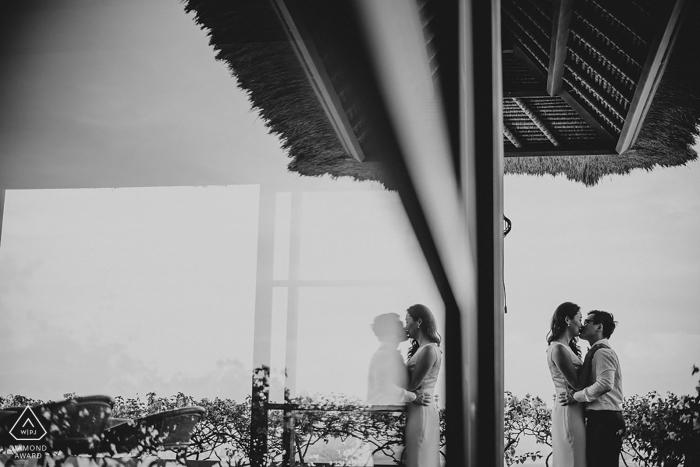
(188,278)
(336,338)
(358,236)
(128,291)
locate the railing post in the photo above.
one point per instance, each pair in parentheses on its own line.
(259,417)
(288,438)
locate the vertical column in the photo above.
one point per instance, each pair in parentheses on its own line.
(293,297)
(483,152)
(2,209)
(292,327)
(263,329)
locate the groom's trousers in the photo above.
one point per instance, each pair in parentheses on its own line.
(604,432)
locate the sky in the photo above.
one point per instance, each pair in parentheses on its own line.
(123,291)
(137,289)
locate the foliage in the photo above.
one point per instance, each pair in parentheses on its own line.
(222,434)
(528,416)
(18,401)
(224,431)
(337,416)
(662,430)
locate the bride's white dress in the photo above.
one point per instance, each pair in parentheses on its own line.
(422,421)
(568,428)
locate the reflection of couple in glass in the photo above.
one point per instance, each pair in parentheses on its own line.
(391,382)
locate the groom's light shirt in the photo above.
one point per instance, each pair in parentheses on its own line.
(387,378)
(606,392)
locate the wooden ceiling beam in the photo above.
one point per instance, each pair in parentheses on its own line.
(508,133)
(535,119)
(318,77)
(654,67)
(561,18)
(542,150)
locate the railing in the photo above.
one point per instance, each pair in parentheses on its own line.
(289,409)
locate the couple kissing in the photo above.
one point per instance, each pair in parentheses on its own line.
(587,423)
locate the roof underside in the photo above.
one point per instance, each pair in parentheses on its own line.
(577,130)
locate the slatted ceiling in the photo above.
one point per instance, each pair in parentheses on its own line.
(562,119)
(652,8)
(526,32)
(595,105)
(606,56)
(527,45)
(592,41)
(581,50)
(603,64)
(609,83)
(627,34)
(526,131)
(540,13)
(632,20)
(521,125)
(534,21)
(611,52)
(539,123)
(607,98)
(516,76)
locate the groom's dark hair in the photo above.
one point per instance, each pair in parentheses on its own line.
(606,319)
(386,325)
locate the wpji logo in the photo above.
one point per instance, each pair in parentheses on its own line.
(27,427)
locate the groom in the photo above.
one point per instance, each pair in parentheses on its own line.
(388,375)
(605,426)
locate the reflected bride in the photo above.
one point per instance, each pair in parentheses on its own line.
(424,360)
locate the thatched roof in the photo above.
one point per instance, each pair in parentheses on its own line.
(249,39)
(667,134)
(248,36)
(665,140)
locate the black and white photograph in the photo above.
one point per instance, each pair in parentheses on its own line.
(291,233)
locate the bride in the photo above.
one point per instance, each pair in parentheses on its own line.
(566,368)
(424,360)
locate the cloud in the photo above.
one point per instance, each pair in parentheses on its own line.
(54,362)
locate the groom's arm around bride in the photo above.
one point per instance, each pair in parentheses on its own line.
(605,426)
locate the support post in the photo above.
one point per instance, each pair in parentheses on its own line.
(262,330)
(293,298)
(483,153)
(561,18)
(2,210)
(455,209)
(654,67)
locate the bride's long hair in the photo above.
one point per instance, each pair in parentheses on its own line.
(559,325)
(428,326)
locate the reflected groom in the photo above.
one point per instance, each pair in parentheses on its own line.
(388,375)
(605,426)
